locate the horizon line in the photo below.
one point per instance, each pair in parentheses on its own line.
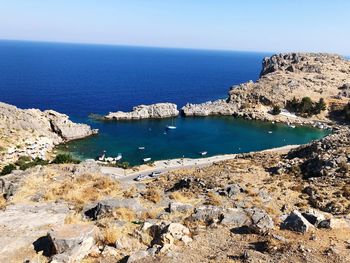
(135,46)
(163,47)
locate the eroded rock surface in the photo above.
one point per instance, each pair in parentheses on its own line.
(153,111)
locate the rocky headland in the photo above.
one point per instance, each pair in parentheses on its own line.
(34,133)
(282,78)
(153,111)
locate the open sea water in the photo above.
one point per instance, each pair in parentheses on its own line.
(82,79)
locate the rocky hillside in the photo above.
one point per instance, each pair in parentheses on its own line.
(283,77)
(240,210)
(153,111)
(34,133)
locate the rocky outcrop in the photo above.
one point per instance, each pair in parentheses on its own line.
(153,111)
(71,243)
(283,76)
(25,225)
(296,222)
(34,133)
(218,107)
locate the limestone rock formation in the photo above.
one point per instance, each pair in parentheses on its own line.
(283,76)
(153,111)
(72,243)
(34,133)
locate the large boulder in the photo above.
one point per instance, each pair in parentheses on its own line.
(71,243)
(296,222)
(261,222)
(235,217)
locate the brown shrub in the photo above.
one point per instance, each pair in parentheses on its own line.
(213,199)
(153,194)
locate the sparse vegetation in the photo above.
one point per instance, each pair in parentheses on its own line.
(306,107)
(8,169)
(124,165)
(276,110)
(65,158)
(153,194)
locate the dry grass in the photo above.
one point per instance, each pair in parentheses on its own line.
(130,192)
(75,218)
(186,198)
(153,194)
(2,202)
(150,214)
(110,235)
(83,189)
(213,199)
(124,214)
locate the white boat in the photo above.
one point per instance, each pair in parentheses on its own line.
(292,126)
(170,127)
(145,160)
(119,157)
(203,153)
(270,132)
(141,148)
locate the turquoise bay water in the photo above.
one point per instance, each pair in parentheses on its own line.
(216,135)
(83,79)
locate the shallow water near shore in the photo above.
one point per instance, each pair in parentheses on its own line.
(216,135)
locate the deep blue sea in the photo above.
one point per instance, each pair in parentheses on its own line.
(82,79)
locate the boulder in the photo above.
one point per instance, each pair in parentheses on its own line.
(296,222)
(180,207)
(334,223)
(261,222)
(73,242)
(314,217)
(235,217)
(207,213)
(136,256)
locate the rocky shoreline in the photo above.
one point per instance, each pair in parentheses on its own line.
(282,78)
(35,133)
(153,111)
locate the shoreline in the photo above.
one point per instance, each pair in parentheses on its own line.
(164,166)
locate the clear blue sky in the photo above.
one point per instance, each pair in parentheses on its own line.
(254,25)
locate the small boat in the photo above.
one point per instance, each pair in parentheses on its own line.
(141,148)
(203,153)
(292,126)
(145,160)
(119,157)
(270,132)
(170,127)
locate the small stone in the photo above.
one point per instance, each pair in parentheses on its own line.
(137,256)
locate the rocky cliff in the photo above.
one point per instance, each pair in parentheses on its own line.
(283,76)
(153,111)
(33,132)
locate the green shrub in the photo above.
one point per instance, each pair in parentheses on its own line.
(124,165)
(8,169)
(65,158)
(276,110)
(306,107)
